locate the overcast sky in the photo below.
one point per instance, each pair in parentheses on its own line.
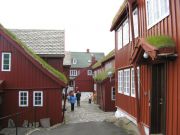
(86,22)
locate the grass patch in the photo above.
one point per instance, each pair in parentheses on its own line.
(43,63)
(161,41)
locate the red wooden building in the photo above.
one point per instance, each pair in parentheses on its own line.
(147,66)
(104,82)
(81,70)
(30,87)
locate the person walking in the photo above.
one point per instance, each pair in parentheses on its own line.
(72,100)
(78,97)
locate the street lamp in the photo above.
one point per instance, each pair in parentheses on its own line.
(145,55)
(110,74)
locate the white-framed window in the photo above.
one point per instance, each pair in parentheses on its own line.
(23,98)
(74,61)
(125,32)
(113,93)
(6,61)
(120,81)
(138,72)
(135,22)
(127,82)
(119,37)
(132,83)
(37,98)
(73,72)
(156,10)
(89,72)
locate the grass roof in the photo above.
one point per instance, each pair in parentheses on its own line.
(44,64)
(108,56)
(118,14)
(160,41)
(103,75)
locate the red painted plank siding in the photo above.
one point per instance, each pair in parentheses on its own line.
(23,74)
(51,107)
(83,81)
(168,26)
(57,63)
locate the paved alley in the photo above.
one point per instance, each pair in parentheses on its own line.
(86,113)
(87,119)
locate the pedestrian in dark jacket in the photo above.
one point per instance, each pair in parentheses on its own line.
(78,96)
(72,100)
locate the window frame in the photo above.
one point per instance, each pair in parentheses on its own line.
(89,72)
(73,72)
(113,93)
(127,82)
(136,25)
(161,17)
(132,83)
(27,99)
(34,103)
(2,62)
(120,81)
(120,30)
(74,61)
(126,22)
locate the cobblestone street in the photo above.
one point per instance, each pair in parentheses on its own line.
(86,113)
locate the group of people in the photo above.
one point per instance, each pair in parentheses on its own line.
(73,98)
(77,97)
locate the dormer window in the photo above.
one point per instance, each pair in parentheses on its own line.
(6,61)
(74,61)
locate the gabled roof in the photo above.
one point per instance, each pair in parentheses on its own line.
(39,62)
(104,59)
(84,58)
(155,46)
(44,42)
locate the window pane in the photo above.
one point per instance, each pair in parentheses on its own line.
(6,67)
(135,19)
(125,32)
(6,56)
(120,38)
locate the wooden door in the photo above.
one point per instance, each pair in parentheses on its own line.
(158,104)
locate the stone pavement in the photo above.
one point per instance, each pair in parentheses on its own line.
(86,113)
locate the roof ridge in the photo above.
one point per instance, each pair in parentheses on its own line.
(40,29)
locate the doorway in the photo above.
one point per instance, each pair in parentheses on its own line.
(158,99)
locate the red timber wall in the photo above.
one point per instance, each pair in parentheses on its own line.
(108,104)
(83,81)
(168,26)
(122,60)
(24,75)
(57,63)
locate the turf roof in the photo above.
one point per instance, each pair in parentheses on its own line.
(160,41)
(103,75)
(108,56)
(44,64)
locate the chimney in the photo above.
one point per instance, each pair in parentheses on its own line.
(93,59)
(87,50)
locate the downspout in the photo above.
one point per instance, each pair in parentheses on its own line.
(135,69)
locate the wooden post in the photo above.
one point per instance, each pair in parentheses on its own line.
(64,106)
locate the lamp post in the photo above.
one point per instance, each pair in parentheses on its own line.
(110,74)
